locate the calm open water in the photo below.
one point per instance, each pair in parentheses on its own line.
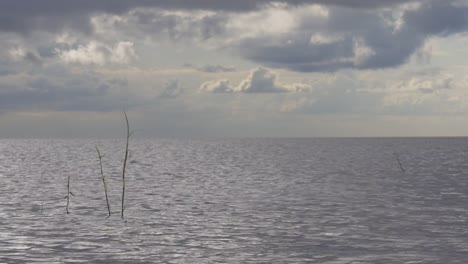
(237,201)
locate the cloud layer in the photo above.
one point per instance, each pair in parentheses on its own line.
(307,58)
(310,38)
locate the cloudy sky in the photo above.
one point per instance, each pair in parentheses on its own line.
(215,68)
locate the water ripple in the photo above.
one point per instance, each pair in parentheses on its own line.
(236,201)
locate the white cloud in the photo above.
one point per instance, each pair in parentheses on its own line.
(98,53)
(123,53)
(218,86)
(362,52)
(259,80)
(269,21)
(322,39)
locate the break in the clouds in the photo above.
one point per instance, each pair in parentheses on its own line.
(274,61)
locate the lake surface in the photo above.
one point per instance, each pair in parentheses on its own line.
(236,201)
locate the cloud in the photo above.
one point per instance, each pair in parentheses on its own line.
(216,68)
(318,36)
(425,94)
(19,54)
(18,57)
(66,93)
(431,92)
(259,80)
(218,86)
(172,89)
(13,11)
(24,16)
(331,38)
(340,94)
(451,18)
(426,84)
(211,68)
(98,53)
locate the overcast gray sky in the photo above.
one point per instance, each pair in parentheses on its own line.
(215,68)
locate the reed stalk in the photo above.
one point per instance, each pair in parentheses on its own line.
(129,134)
(397,157)
(104,181)
(68,194)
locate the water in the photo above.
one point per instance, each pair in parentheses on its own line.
(237,201)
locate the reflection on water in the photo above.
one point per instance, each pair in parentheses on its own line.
(237,201)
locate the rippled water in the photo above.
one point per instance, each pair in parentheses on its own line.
(237,201)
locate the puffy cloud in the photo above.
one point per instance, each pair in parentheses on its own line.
(93,53)
(99,53)
(123,53)
(218,86)
(260,80)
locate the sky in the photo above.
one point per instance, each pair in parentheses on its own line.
(245,68)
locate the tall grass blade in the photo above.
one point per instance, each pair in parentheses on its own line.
(103,181)
(397,157)
(125,165)
(68,194)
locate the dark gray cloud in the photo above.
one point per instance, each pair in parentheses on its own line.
(56,7)
(360,39)
(32,58)
(52,15)
(74,94)
(172,25)
(438,18)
